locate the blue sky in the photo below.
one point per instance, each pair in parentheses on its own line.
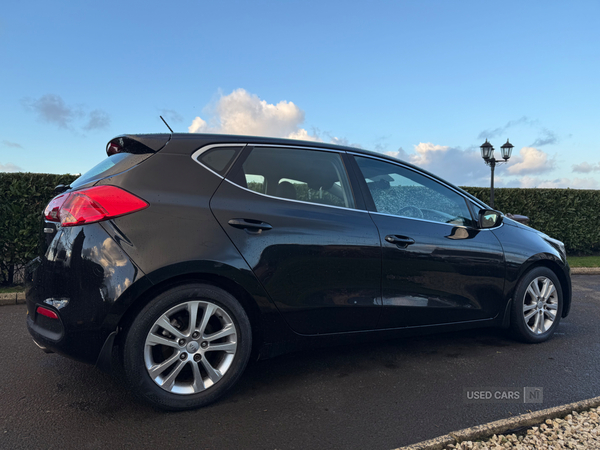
(427,81)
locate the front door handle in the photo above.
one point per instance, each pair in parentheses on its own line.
(400,241)
(250,224)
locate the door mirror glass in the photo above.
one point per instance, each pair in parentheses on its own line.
(488,218)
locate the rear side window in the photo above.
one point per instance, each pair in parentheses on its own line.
(219,158)
(305,175)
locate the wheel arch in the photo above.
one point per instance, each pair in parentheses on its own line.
(556,266)
(565,281)
(239,283)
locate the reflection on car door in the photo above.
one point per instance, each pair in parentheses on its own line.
(437,267)
(292,216)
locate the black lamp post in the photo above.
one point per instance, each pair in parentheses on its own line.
(487,153)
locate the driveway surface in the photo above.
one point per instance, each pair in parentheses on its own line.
(377,395)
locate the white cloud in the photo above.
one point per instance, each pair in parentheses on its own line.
(531,161)
(427,153)
(467,168)
(461,167)
(9,167)
(243,113)
(586,167)
(302,134)
(399,154)
(198,126)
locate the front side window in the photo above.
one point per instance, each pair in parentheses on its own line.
(305,175)
(402,192)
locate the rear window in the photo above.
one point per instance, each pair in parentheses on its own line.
(114,164)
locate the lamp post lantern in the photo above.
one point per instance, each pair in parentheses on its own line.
(487,153)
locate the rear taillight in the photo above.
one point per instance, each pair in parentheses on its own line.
(92,205)
(52,210)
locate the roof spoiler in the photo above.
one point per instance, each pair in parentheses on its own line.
(137,144)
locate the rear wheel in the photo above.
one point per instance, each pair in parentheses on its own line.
(537,306)
(187,347)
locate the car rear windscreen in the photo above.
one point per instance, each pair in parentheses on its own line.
(130,153)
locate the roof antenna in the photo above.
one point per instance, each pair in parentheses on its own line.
(166,124)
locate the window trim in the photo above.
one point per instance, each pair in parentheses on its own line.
(295,201)
(296,147)
(453,225)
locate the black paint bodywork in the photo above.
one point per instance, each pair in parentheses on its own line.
(320,275)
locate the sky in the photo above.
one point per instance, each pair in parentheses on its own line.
(425,81)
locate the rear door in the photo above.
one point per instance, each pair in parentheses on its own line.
(293,216)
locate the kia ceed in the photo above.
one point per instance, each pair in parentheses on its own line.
(183,256)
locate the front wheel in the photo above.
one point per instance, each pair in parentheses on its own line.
(187,347)
(537,306)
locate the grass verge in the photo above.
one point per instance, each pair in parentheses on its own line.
(584,261)
(11,289)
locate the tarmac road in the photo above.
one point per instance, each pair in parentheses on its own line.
(376,395)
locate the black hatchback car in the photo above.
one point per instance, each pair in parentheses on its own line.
(188,254)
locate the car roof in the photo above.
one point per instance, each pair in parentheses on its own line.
(197,140)
(187,143)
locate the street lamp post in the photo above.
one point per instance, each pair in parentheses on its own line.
(487,153)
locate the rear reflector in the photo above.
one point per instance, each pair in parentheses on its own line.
(46,312)
(92,205)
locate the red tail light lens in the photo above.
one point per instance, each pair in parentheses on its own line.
(52,211)
(113,148)
(47,312)
(92,205)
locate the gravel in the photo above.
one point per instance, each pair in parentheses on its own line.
(576,431)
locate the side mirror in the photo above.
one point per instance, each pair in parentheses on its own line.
(488,218)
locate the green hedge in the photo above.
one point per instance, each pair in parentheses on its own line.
(23,197)
(569,215)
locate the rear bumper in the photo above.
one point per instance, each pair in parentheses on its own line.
(83,274)
(84,347)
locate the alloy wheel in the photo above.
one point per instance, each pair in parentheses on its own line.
(190,347)
(540,305)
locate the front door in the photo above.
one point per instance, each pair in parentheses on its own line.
(437,266)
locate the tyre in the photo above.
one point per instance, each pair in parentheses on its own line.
(187,347)
(537,306)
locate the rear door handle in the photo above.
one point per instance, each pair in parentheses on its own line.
(250,224)
(400,241)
